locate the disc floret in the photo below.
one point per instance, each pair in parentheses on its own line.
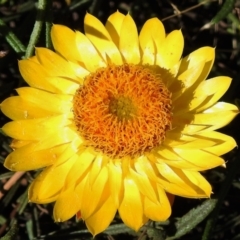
(123,110)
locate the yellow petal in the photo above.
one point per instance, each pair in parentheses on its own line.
(49,183)
(205,95)
(79,70)
(15,144)
(80,188)
(114,25)
(144,185)
(221,107)
(198,143)
(168,153)
(17,108)
(131,207)
(99,36)
(191,129)
(183,164)
(144,166)
(152,33)
(26,158)
(225,143)
(188,78)
(93,61)
(197,179)
(173,140)
(204,54)
(128,43)
(80,167)
(106,213)
(172,174)
(178,136)
(66,135)
(209,88)
(61,37)
(217,116)
(95,169)
(187,191)
(170,51)
(66,206)
(168,156)
(192,72)
(152,29)
(93,192)
(115,180)
(29,69)
(171,178)
(54,64)
(65,85)
(72,149)
(177,183)
(157,211)
(35,129)
(174,70)
(60,103)
(200,158)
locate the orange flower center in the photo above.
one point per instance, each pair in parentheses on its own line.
(123,110)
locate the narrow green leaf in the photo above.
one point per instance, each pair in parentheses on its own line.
(226,8)
(12,39)
(37,28)
(193,218)
(12,233)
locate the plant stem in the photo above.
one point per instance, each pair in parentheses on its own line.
(48,24)
(41,13)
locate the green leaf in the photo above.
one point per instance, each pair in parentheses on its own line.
(12,233)
(227,7)
(193,218)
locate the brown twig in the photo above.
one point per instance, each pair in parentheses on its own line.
(187,10)
(11,181)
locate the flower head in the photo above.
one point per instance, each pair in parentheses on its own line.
(118,122)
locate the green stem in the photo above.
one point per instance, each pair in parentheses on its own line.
(41,13)
(49,24)
(11,38)
(232,171)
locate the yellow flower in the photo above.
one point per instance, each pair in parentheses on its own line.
(117,121)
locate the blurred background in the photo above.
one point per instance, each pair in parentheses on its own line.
(203,23)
